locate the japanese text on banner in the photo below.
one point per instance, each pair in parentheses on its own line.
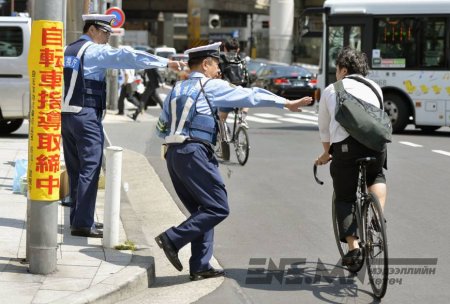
(45,64)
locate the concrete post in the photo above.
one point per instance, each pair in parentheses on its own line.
(113,86)
(74,22)
(280,31)
(44,214)
(111,218)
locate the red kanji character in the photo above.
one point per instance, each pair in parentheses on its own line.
(52,36)
(50,79)
(53,99)
(48,183)
(49,141)
(49,120)
(47,164)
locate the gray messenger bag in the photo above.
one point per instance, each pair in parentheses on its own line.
(368,124)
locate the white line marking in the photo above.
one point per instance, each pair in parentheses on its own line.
(262,120)
(299,121)
(304,116)
(267,115)
(442,152)
(407,143)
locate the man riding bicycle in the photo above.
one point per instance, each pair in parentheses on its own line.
(343,150)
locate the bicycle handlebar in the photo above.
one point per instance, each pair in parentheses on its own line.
(315,175)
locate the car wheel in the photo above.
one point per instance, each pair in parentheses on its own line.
(9,126)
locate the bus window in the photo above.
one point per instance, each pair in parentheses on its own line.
(355,37)
(336,43)
(433,43)
(396,40)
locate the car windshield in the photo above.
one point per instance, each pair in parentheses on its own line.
(164,54)
(179,58)
(288,71)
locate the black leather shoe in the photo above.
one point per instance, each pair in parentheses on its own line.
(207,274)
(87,232)
(171,253)
(98,225)
(352,257)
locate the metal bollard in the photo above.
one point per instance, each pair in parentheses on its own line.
(113,177)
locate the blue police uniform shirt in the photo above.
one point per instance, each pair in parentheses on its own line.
(99,57)
(220,93)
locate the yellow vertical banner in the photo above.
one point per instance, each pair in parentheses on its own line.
(45,66)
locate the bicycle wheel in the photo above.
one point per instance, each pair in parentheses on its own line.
(376,246)
(242,145)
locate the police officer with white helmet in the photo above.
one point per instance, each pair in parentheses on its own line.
(85,63)
(188,125)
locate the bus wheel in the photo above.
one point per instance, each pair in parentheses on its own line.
(396,107)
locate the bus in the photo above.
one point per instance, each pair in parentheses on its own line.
(407,45)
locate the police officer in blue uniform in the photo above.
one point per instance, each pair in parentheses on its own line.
(85,64)
(188,126)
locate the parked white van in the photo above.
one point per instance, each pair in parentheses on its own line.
(15,33)
(165,51)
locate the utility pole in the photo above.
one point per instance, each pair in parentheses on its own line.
(74,22)
(113,86)
(44,213)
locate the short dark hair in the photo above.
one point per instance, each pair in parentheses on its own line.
(193,62)
(232,44)
(353,60)
(86,27)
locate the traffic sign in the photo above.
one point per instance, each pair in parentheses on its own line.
(119,14)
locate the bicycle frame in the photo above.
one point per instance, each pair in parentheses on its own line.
(237,118)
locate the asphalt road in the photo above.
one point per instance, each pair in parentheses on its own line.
(278,213)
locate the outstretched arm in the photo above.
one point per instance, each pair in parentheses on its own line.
(294,105)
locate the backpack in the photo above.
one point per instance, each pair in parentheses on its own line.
(234,69)
(368,124)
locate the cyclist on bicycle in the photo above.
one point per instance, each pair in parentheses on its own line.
(233,69)
(343,150)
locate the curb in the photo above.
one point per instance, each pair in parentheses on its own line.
(138,275)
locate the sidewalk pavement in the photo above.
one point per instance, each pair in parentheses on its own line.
(86,271)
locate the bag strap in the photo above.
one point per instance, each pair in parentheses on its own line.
(214,113)
(364,81)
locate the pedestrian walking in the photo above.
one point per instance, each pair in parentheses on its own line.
(85,63)
(188,124)
(128,91)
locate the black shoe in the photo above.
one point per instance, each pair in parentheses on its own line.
(98,225)
(207,274)
(135,115)
(66,203)
(87,232)
(352,257)
(171,253)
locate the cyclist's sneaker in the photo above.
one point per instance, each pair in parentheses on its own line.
(352,257)
(244,123)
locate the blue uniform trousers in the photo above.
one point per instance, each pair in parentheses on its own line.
(194,171)
(83,138)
